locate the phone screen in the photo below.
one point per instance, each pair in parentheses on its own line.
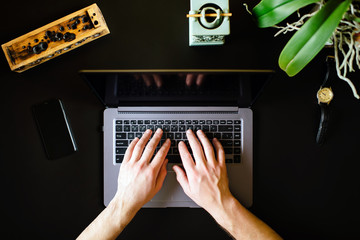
(54,129)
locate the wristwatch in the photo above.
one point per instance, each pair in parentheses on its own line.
(324,96)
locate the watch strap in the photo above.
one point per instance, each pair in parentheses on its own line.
(324,122)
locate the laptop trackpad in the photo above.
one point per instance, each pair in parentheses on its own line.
(171,190)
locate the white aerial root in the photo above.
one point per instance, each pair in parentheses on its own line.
(342,41)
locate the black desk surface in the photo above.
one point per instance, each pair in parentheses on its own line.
(302,190)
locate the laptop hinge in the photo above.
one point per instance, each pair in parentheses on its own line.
(179,109)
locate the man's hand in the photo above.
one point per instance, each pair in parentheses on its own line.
(205,179)
(140,178)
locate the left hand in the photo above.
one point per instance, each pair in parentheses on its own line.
(139,177)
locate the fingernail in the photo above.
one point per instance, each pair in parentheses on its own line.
(159,130)
(148,130)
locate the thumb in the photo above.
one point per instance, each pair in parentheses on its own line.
(181,178)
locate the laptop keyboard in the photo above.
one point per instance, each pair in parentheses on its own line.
(227,131)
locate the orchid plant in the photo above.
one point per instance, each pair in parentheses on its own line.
(334,22)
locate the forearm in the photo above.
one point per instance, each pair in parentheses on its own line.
(241,223)
(110,222)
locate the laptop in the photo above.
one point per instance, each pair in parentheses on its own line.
(216,101)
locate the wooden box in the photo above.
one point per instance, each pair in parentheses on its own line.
(55,38)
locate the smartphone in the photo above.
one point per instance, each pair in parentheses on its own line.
(54,128)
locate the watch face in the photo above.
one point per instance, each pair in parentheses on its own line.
(325,95)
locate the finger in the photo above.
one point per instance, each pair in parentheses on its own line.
(158,80)
(195,147)
(186,158)
(220,153)
(200,79)
(151,146)
(161,176)
(147,80)
(161,154)
(139,147)
(190,78)
(130,150)
(181,178)
(208,148)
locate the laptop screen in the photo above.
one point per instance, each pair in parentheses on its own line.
(177,87)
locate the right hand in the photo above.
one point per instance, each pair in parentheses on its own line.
(205,181)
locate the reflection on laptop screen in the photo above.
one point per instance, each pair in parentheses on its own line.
(171,88)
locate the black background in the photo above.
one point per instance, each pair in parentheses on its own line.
(302,190)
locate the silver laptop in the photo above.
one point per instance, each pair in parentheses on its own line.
(216,101)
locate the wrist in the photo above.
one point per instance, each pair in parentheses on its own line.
(121,213)
(224,213)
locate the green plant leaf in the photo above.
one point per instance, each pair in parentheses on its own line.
(271,12)
(312,36)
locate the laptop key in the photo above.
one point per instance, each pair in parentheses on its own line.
(217,135)
(205,128)
(190,127)
(228,150)
(227,136)
(228,160)
(131,136)
(120,150)
(126,128)
(120,135)
(237,150)
(226,128)
(119,158)
(122,143)
(134,128)
(227,143)
(119,128)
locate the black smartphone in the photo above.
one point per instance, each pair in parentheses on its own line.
(54,129)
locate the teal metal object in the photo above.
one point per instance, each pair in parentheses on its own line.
(208,30)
